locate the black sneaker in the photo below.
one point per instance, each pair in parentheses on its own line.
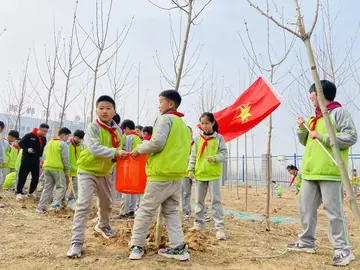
(121,217)
(301,248)
(180,254)
(343,259)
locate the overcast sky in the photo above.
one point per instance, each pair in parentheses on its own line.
(29,25)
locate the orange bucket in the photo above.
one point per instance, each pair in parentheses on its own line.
(131,175)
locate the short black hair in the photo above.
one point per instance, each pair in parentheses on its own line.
(354,170)
(173,96)
(79,133)
(64,131)
(292,167)
(128,124)
(148,129)
(44,125)
(106,98)
(117,118)
(274,182)
(14,133)
(329,89)
(2,124)
(139,127)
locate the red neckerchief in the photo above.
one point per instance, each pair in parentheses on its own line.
(112,131)
(174,112)
(318,114)
(205,143)
(17,147)
(147,137)
(75,145)
(132,132)
(192,143)
(35,132)
(293,179)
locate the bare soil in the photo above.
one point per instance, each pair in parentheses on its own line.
(32,241)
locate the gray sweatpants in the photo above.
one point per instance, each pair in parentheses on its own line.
(41,181)
(72,194)
(216,206)
(330,193)
(53,179)
(129,203)
(186,195)
(87,184)
(166,194)
(356,189)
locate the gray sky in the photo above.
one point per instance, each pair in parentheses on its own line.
(30,26)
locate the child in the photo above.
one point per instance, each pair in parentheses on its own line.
(95,165)
(321,177)
(18,161)
(75,149)
(186,188)
(296,177)
(129,201)
(10,153)
(147,133)
(56,169)
(277,190)
(138,130)
(168,152)
(207,155)
(355,182)
(2,152)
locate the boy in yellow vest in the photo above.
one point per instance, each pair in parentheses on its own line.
(56,168)
(95,164)
(75,149)
(168,153)
(355,182)
(321,177)
(10,159)
(132,139)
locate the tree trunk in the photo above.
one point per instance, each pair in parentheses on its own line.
(268,175)
(184,48)
(65,98)
(94,93)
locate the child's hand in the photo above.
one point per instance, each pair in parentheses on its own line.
(210,159)
(123,154)
(191,175)
(314,135)
(300,121)
(134,153)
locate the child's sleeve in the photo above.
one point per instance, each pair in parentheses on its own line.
(302,134)
(2,152)
(93,143)
(223,153)
(161,132)
(192,160)
(346,135)
(65,156)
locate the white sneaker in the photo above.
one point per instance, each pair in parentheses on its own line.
(196,228)
(19,197)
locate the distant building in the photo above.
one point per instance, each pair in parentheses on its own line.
(27,124)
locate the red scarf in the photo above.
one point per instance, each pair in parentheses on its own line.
(206,140)
(35,132)
(174,112)
(112,131)
(132,132)
(318,114)
(192,143)
(75,145)
(293,179)
(17,147)
(147,137)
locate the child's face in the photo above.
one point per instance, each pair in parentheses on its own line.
(291,171)
(138,132)
(105,111)
(165,104)
(64,137)
(206,125)
(77,139)
(314,99)
(16,143)
(11,138)
(144,133)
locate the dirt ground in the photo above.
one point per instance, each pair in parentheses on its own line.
(32,241)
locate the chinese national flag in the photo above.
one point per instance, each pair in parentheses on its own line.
(253,106)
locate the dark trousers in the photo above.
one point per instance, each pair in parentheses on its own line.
(28,166)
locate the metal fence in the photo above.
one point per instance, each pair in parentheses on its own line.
(235,169)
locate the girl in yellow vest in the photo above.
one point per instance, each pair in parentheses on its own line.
(355,182)
(207,155)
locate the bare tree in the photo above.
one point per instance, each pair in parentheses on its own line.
(270,70)
(301,33)
(99,38)
(2,32)
(48,83)
(180,46)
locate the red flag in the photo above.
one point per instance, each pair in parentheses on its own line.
(253,106)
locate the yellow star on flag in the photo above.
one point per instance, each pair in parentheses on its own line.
(244,112)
